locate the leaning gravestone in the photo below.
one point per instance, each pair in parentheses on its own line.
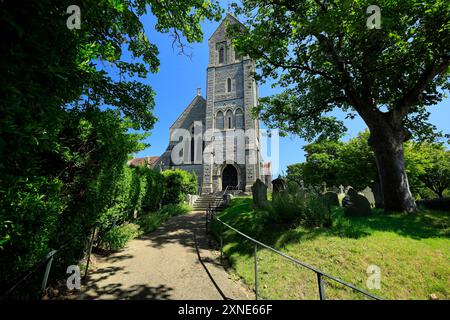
(278,185)
(331,198)
(259,194)
(356,205)
(367,192)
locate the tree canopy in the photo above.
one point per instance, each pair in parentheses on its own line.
(69,100)
(323,56)
(352,163)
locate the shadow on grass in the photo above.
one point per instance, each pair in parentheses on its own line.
(241,215)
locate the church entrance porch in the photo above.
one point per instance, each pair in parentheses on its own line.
(229,177)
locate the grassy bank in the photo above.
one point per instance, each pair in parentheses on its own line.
(413,253)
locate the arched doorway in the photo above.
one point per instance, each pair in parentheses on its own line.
(229,177)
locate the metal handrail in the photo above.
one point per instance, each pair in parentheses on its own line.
(257,243)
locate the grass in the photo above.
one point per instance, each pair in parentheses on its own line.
(412,252)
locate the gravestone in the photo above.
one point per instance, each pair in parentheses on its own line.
(331,198)
(367,192)
(259,194)
(302,184)
(378,195)
(278,185)
(356,205)
(324,187)
(341,189)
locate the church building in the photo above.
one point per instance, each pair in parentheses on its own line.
(217,137)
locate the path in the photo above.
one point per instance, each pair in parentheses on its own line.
(165,265)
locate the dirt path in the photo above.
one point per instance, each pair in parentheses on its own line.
(165,265)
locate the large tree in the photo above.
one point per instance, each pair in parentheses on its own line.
(324,56)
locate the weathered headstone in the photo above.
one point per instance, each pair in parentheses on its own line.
(356,205)
(259,194)
(324,186)
(341,189)
(330,198)
(227,199)
(367,192)
(278,185)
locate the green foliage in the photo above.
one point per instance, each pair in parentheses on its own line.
(345,251)
(335,162)
(65,120)
(323,57)
(428,166)
(116,238)
(178,184)
(154,189)
(150,221)
(353,163)
(296,206)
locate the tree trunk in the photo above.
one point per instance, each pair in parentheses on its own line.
(387,145)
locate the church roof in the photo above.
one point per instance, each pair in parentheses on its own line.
(198,98)
(229,17)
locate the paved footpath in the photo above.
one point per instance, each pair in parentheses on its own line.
(165,265)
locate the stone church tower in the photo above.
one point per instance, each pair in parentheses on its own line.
(223,146)
(231,93)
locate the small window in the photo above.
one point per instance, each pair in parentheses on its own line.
(221,55)
(228,85)
(229,119)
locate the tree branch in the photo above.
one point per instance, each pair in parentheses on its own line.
(411,97)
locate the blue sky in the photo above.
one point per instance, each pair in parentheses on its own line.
(177,81)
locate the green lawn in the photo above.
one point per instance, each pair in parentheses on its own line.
(412,251)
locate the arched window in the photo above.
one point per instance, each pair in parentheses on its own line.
(228,85)
(219,120)
(221,55)
(239,119)
(229,118)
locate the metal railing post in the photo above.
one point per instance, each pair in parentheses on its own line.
(88,260)
(47,272)
(256,271)
(321,287)
(221,243)
(221,248)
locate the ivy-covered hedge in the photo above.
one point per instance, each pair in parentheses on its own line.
(178,183)
(138,190)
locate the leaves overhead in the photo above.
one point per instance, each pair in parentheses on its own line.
(323,56)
